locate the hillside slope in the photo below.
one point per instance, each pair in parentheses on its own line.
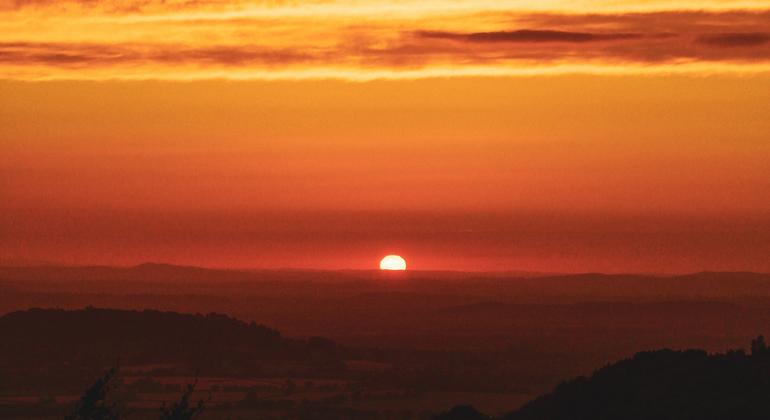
(664,384)
(93,337)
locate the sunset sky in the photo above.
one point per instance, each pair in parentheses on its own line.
(593,135)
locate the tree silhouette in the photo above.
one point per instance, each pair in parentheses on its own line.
(290,387)
(183,409)
(93,405)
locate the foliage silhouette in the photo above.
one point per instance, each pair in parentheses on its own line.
(183,409)
(758,346)
(94,404)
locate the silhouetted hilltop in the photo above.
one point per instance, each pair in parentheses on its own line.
(664,384)
(102,336)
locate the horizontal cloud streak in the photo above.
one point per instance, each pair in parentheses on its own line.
(493,42)
(749,39)
(407,7)
(84,54)
(528,35)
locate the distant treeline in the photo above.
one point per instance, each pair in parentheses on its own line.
(99,337)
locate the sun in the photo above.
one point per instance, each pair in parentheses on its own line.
(392,262)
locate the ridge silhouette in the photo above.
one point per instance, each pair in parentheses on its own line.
(662,384)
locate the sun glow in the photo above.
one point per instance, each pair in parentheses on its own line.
(392,262)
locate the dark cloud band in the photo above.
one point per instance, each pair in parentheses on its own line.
(528,35)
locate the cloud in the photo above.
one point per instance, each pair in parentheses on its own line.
(528,35)
(224,43)
(736,39)
(114,6)
(613,39)
(78,55)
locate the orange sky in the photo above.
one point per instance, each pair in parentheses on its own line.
(550,136)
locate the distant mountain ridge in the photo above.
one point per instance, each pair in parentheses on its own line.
(11,264)
(65,272)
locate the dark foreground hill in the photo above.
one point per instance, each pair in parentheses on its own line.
(664,384)
(102,337)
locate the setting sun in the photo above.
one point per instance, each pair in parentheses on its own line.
(545,165)
(392,262)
